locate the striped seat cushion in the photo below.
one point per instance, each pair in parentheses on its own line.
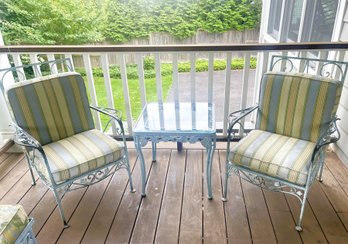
(274,155)
(52,107)
(297,105)
(80,153)
(13,220)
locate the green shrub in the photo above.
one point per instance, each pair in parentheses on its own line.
(149,62)
(167,68)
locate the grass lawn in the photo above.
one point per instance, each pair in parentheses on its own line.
(134,94)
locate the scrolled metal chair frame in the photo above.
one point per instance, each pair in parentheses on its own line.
(331,135)
(32,147)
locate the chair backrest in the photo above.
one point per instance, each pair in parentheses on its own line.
(51,108)
(297,104)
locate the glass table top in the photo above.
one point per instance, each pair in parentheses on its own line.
(176,118)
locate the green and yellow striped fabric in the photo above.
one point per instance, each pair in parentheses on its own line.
(274,155)
(13,220)
(297,105)
(75,155)
(51,108)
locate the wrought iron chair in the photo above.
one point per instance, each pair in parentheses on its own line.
(54,125)
(296,120)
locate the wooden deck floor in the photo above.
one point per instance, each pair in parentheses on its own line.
(176,208)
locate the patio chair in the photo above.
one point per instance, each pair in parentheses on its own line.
(296,120)
(54,125)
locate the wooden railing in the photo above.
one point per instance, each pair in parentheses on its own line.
(263,52)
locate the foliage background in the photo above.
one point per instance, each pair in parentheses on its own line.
(118,21)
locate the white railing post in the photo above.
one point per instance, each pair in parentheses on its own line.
(127,104)
(262,67)
(210,77)
(69,56)
(139,61)
(193,76)
(91,88)
(227,92)
(53,66)
(108,87)
(245,86)
(18,62)
(36,68)
(175,78)
(5,116)
(158,78)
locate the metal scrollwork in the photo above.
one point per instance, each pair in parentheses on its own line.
(205,141)
(265,183)
(283,66)
(324,69)
(21,137)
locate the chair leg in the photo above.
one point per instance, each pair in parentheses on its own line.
(129,175)
(224,194)
(298,226)
(59,204)
(33,182)
(321,173)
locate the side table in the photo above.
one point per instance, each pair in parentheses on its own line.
(176,122)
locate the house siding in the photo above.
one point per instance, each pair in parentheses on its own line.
(341,148)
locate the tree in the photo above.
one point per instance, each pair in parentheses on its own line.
(50,21)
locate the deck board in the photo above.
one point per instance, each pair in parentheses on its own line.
(145,225)
(281,217)
(214,217)
(176,208)
(170,215)
(123,223)
(108,206)
(191,220)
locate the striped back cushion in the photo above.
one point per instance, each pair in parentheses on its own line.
(297,105)
(51,108)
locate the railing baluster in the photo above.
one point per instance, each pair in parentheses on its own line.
(158,77)
(127,104)
(53,66)
(340,55)
(91,88)
(245,85)
(33,59)
(69,56)
(193,76)
(322,55)
(227,92)
(108,87)
(139,61)
(303,64)
(210,77)
(18,62)
(283,62)
(175,78)
(263,58)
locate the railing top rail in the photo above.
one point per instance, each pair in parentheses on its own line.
(175,48)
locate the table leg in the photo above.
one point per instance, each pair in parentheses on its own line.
(210,152)
(179,146)
(142,165)
(154,145)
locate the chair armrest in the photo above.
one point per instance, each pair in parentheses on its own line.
(22,138)
(330,136)
(112,113)
(236,116)
(325,139)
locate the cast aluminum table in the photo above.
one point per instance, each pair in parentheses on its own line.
(176,122)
